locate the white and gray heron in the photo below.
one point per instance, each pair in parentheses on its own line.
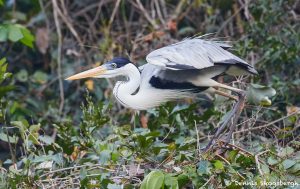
(173,72)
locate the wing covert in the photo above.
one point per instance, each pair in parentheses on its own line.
(193,53)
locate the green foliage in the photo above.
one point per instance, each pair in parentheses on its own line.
(3,76)
(155,180)
(158,179)
(16,32)
(99,152)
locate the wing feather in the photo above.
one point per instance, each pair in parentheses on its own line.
(193,53)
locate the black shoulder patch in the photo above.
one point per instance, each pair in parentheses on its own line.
(159,83)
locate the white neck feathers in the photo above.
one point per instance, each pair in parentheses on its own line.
(124,90)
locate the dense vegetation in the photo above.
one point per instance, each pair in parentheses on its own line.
(60,134)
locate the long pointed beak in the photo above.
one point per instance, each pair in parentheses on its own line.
(89,73)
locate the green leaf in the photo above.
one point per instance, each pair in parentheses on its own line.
(105,156)
(285,151)
(14,33)
(245,161)
(6,138)
(259,94)
(272,161)
(295,169)
(265,168)
(171,182)
(17,15)
(82,173)
(28,38)
(42,158)
(288,163)
(2,61)
(46,139)
(34,128)
(22,75)
(232,155)
(40,77)
(203,167)
(154,180)
(182,179)
(5,89)
(22,125)
(114,186)
(219,165)
(3,33)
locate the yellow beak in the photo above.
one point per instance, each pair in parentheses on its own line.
(89,73)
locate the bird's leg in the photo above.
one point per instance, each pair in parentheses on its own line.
(235,112)
(133,117)
(222,127)
(226,95)
(239,107)
(238,91)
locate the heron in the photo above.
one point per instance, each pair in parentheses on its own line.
(176,71)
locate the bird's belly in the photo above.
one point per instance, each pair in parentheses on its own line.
(151,98)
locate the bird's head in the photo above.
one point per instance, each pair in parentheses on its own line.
(112,68)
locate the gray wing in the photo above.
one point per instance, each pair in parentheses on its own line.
(194,53)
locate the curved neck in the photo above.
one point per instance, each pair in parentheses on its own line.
(124,90)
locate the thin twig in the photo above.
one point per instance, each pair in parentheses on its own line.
(113,14)
(145,13)
(67,22)
(198,151)
(159,13)
(59,48)
(266,125)
(258,163)
(228,20)
(206,182)
(76,167)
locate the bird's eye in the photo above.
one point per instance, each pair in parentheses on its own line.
(114,65)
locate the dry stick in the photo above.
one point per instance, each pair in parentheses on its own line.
(266,125)
(225,160)
(58,30)
(164,8)
(257,162)
(68,23)
(237,147)
(159,13)
(73,31)
(239,21)
(75,167)
(179,8)
(206,182)
(198,151)
(97,12)
(147,16)
(113,14)
(228,20)
(44,12)
(245,152)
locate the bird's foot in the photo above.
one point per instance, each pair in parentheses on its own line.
(233,115)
